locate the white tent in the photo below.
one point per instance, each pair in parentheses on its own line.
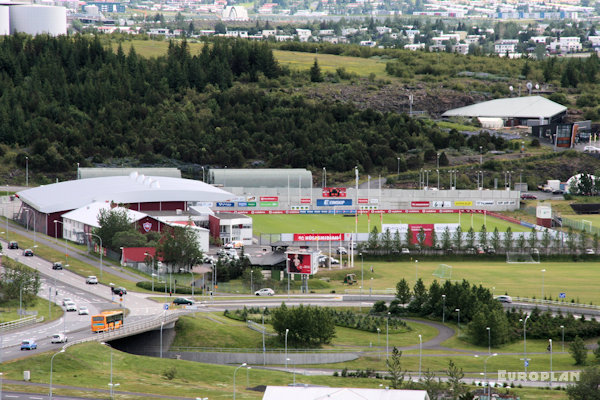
(327,393)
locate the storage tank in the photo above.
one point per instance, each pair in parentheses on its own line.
(36,19)
(4,21)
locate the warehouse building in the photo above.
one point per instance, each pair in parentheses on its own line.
(41,206)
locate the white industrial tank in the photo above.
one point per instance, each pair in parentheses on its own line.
(4,21)
(37,19)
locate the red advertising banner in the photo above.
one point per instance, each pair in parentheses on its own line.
(415,229)
(419,204)
(363,201)
(299,263)
(269,198)
(304,201)
(334,192)
(313,237)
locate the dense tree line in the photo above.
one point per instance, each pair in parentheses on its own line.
(69,99)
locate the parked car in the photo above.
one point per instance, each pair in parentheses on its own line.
(535,251)
(91,280)
(57,265)
(341,250)
(28,253)
(590,251)
(59,338)
(491,250)
(183,301)
(558,191)
(504,299)
(480,250)
(28,344)
(66,300)
(471,250)
(119,290)
(208,259)
(528,196)
(405,250)
(70,306)
(265,292)
(13,245)
(83,310)
(335,260)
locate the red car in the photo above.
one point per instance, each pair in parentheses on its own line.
(528,196)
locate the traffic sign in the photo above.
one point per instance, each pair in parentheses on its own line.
(527,363)
(562,295)
(166,306)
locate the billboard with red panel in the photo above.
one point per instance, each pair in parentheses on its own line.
(334,192)
(415,229)
(316,237)
(302,263)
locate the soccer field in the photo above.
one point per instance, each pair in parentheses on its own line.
(328,223)
(578,280)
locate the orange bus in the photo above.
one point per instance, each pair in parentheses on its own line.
(107,321)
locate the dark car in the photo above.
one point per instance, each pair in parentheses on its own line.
(28,253)
(119,290)
(57,265)
(182,301)
(13,245)
(558,191)
(528,196)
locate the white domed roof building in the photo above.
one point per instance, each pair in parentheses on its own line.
(235,13)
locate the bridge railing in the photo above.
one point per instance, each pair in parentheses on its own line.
(368,291)
(131,328)
(20,323)
(563,303)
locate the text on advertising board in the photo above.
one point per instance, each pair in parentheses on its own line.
(269,203)
(332,202)
(313,237)
(224,204)
(304,201)
(363,201)
(269,198)
(334,192)
(419,204)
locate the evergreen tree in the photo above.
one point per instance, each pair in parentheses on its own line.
(373,241)
(495,241)
(446,240)
(387,241)
(458,238)
(470,238)
(508,239)
(394,366)
(483,239)
(578,351)
(315,72)
(532,240)
(403,291)
(546,239)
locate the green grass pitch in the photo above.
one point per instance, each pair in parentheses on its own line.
(329,223)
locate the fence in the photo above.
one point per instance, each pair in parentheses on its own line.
(19,323)
(259,328)
(581,225)
(366,292)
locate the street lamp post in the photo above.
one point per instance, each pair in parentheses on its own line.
(398,158)
(443,308)
(234,372)
(543,273)
(550,341)
(362,274)
(416,270)
(251,283)
(562,328)
(51,365)
(489,340)
(387,336)
(21,300)
(525,361)
(480,155)
(485,374)
(458,311)
(161,341)
(286,334)
(420,351)
(27,171)
(378,343)
(263,337)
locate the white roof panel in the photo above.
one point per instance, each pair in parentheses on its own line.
(328,393)
(134,188)
(517,107)
(88,214)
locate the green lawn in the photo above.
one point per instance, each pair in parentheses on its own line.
(88,365)
(325,223)
(577,280)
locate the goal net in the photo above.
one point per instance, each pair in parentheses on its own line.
(443,271)
(586,225)
(522,258)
